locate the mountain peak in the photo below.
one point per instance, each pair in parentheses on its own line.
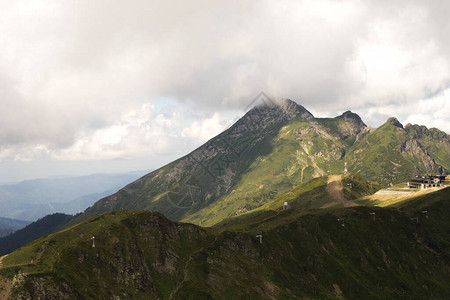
(283,109)
(350,114)
(295,109)
(395,122)
(352,117)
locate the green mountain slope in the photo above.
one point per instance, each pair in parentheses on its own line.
(300,152)
(392,154)
(271,150)
(317,193)
(302,254)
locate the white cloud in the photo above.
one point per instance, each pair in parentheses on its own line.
(138,133)
(75,77)
(432,112)
(399,65)
(203,130)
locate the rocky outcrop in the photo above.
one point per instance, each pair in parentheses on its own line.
(415,151)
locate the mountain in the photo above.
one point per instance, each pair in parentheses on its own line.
(12,223)
(332,253)
(75,206)
(269,151)
(8,226)
(393,153)
(32,231)
(33,199)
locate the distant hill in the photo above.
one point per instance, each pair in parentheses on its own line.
(5,232)
(35,230)
(8,226)
(331,253)
(77,205)
(12,223)
(33,199)
(268,152)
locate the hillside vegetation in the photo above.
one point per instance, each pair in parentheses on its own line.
(302,254)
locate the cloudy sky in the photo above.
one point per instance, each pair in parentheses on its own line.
(112,86)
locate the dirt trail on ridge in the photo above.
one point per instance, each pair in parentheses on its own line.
(5,283)
(1,258)
(335,190)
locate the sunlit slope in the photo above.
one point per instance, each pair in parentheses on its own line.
(299,152)
(314,194)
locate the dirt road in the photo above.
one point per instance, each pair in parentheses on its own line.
(5,283)
(334,188)
(1,258)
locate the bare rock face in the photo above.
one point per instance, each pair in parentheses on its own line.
(422,142)
(415,150)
